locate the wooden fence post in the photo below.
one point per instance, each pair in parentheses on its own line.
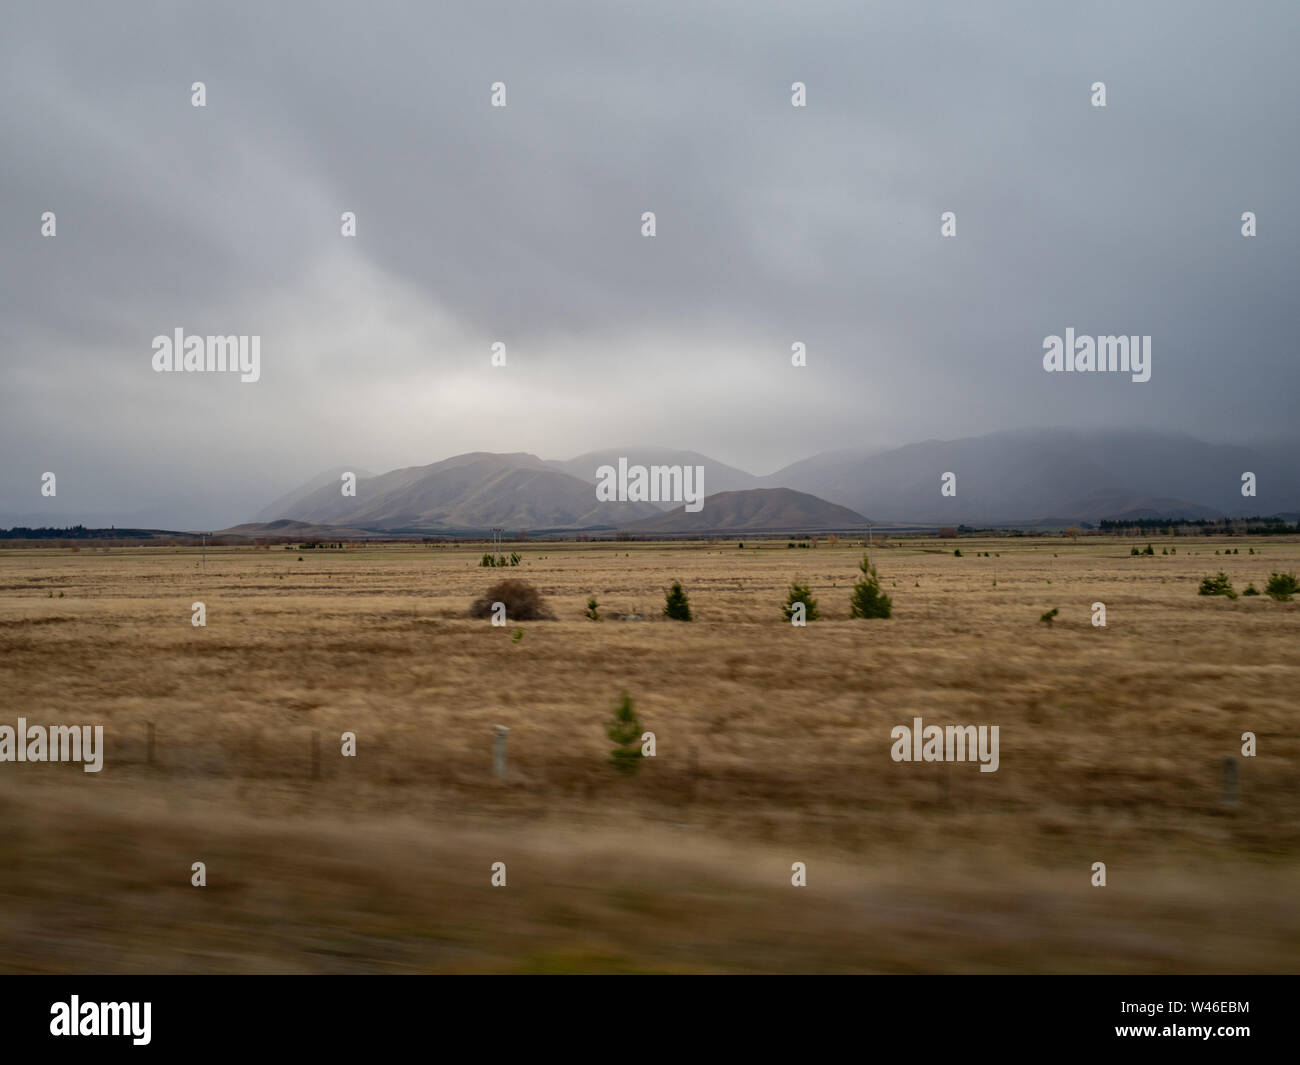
(499,752)
(1229,781)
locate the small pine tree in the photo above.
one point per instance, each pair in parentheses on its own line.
(592,612)
(1047,618)
(1251,589)
(676,605)
(956,553)
(1134,551)
(1150,550)
(1282,586)
(625,730)
(867,600)
(1217,585)
(801,593)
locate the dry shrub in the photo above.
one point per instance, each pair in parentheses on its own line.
(523,602)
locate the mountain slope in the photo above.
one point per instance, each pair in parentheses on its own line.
(291,501)
(1028,475)
(754,510)
(473,491)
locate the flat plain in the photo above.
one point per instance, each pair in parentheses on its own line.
(773,747)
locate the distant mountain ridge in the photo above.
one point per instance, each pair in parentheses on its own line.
(755,510)
(718,476)
(298,530)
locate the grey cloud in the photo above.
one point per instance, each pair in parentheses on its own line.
(522,224)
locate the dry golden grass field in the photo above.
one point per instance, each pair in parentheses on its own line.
(772,748)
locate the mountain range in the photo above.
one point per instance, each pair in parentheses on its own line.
(467,492)
(1052,476)
(1013,477)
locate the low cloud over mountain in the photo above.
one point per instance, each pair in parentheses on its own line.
(1043,474)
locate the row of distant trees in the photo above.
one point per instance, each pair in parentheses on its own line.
(73,532)
(1256,526)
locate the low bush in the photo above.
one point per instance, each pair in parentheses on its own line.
(523,602)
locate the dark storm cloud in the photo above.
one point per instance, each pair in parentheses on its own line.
(522,224)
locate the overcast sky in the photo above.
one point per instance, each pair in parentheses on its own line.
(522,224)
